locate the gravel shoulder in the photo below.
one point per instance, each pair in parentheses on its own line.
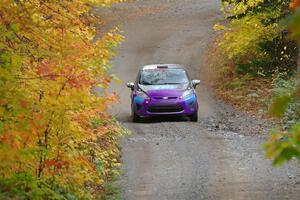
(221,156)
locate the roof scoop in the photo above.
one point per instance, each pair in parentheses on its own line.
(162,67)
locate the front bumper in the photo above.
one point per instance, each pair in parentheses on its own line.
(155,107)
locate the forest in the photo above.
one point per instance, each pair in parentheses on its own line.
(258,51)
(57,137)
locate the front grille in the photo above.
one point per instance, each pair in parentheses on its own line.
(162,109)
(165,98)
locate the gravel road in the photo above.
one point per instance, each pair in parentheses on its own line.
(219,157)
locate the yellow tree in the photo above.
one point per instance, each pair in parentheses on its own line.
(55,136)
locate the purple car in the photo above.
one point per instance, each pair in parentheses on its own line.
(163,90)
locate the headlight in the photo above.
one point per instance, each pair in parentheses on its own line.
(187,93)
(142,94)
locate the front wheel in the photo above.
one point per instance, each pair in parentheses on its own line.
(194,117)
(135,117)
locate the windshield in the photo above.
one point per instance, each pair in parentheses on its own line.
(163,76)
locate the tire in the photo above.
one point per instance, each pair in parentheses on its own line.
(135,117)
(194,117)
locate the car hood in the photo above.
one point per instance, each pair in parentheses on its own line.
(172,90)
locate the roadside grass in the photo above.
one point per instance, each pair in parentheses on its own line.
(113,187)
(252,95)
(112,191)
(249,94)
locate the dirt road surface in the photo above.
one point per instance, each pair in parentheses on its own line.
(219,157)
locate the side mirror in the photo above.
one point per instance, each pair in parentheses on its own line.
(130,85)
(195,83)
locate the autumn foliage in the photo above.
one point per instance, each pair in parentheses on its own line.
(294,5)
(56,139)
(258,50)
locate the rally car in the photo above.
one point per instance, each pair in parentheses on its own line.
(163,89)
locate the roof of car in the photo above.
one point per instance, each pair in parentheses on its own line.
(155,66)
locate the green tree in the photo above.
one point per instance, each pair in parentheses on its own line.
(285,144)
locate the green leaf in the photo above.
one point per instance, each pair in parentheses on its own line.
(279,106)
(1,127)
(15,27)
(286,155)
